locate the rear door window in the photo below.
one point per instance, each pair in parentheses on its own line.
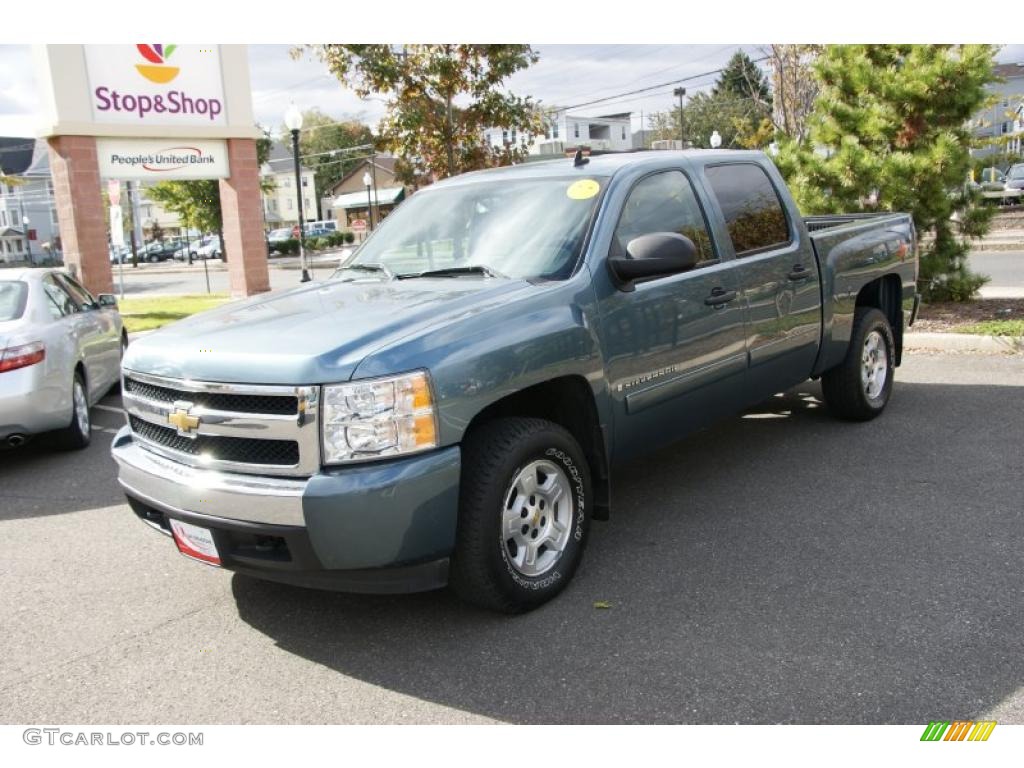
(753,212)
(13,296)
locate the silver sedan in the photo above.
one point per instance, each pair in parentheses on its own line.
(60,351)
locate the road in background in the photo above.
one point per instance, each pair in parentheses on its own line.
(781,566)
(178,278)
(1006,268)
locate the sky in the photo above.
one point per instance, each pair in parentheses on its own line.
(566,75)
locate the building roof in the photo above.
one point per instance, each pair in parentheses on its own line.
(1009,70)
(385,196)
(384,163)
(281,159)
(11,232)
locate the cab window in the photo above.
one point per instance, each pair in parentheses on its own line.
(751,207)
(663,202)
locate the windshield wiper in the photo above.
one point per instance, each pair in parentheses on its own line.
(476,269)
(370,268)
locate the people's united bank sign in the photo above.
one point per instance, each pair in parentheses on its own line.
(156,84)
(162,159)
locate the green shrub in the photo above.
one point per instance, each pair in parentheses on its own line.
(318,243)
(335,239)
(350,236)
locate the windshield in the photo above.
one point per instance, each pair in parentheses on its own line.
(12,299)
(528,228)
(1017,172)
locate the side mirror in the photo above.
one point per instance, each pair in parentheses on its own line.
(107,301)
(654,255)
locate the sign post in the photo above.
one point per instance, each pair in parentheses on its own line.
(116,228)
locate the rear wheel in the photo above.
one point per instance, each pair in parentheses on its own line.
(523,514)
(78,433)
(859,388)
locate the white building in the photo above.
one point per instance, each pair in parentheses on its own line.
(607,133)
(1004,120)
(26,162)
(280,203)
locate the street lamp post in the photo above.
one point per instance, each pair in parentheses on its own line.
(367,182)
(680,92)
(293,120)
(28,238)
(715,140)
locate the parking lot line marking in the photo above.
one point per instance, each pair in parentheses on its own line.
(110,408)
(104,429)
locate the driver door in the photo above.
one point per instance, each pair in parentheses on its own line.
(674,346)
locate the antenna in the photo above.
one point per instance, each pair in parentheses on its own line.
(579,160)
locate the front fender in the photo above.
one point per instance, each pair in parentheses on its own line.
(475,361)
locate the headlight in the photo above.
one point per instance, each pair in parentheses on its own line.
(378,417)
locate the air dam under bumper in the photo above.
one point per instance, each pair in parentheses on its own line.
(383,527)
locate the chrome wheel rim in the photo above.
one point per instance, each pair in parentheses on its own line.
(537,518)
(874,369)
(81,408)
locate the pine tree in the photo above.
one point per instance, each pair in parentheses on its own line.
(743,78)
(889,133)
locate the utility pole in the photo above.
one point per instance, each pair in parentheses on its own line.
(680,92)
(133,199)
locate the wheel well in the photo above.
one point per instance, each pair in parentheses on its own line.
(569,402)
(885,294)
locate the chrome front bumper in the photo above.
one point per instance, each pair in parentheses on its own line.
(177,487)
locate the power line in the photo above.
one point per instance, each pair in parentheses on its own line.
(650,88)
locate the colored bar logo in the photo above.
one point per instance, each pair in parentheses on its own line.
(958,730)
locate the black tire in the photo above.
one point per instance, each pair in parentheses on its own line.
(74,436)
(483,568)
(843,387)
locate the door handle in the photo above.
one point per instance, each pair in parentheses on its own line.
(719,297)
(799,272)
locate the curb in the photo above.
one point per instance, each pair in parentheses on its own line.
(1004,246)
(963,342)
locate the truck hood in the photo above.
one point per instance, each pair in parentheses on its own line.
(313,334)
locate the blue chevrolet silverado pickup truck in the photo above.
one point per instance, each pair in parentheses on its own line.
(450,406)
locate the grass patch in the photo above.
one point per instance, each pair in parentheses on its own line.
(148,313)
(995,328)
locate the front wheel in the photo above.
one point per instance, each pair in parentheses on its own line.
(524,514)
(859,388)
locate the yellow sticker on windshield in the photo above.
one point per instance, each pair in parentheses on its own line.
(584,189)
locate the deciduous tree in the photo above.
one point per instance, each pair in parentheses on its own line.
(440,99)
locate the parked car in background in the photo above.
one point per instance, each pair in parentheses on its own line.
(277,238)
(210,249)
(158,251)
(996,186)
(120,255)
(60,351)
(1015,180)
(184,251)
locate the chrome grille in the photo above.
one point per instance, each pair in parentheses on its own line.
(256,429)
(236,449)
(274,404)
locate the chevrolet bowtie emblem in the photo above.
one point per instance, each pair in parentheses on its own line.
(182,420)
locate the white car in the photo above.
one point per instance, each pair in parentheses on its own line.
(60,352)
(210,249)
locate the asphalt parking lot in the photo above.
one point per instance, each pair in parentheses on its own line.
(779,567)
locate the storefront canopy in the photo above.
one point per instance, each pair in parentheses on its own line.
(384,196)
